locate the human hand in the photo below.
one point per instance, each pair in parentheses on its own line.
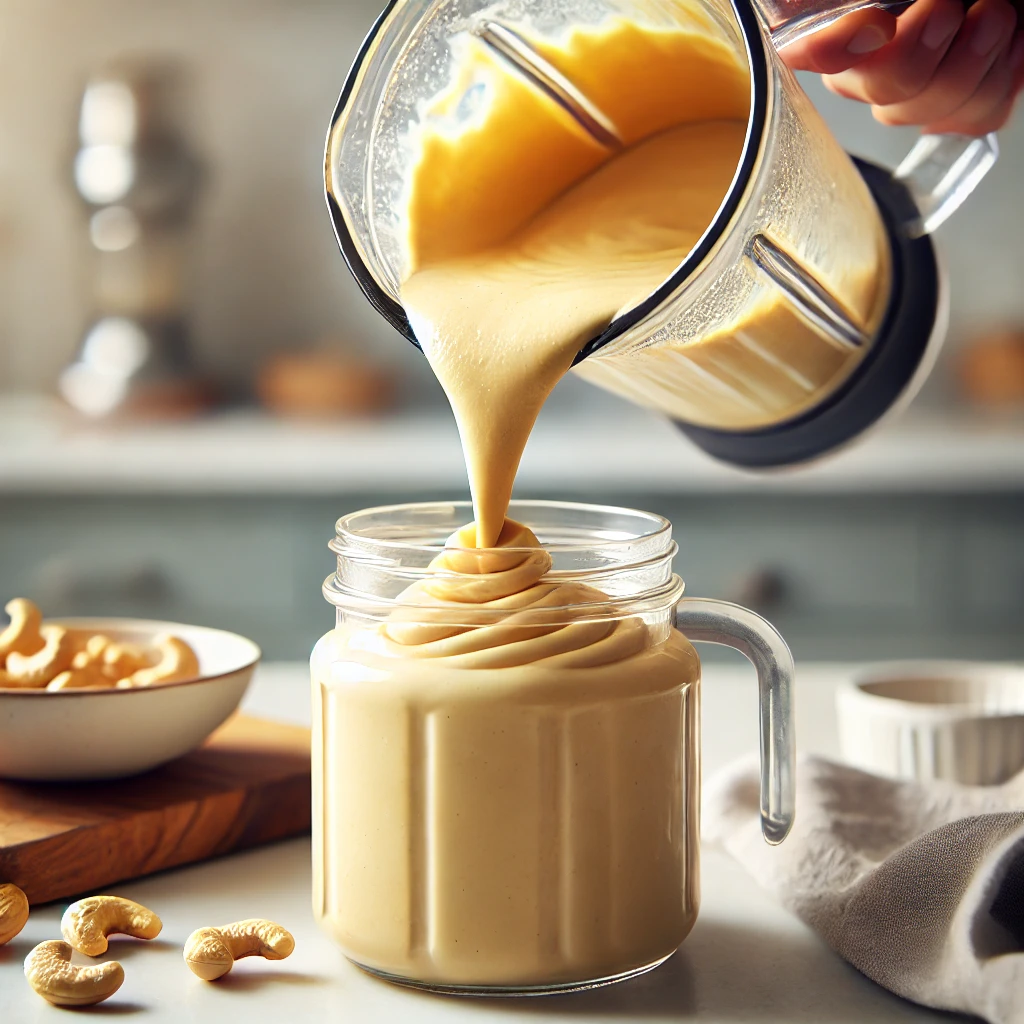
(937,65)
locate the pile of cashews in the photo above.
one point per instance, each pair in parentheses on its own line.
(86,926)
(38,656)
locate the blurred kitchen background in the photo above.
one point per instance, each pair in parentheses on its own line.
(272,399)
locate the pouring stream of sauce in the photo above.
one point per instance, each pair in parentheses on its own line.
(527,238)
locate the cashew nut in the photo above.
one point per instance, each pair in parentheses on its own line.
(22,636)
(103,662)
(178,663)
(87,923)
(123,660)
(80,639)
(13,912)
(36,670)
(90,678)
(211,952)
(50,972)
(38,656)
(90,651)
(87,666)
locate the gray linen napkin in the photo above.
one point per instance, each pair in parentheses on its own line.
(918,885)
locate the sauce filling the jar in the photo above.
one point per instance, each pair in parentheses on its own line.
(507,764)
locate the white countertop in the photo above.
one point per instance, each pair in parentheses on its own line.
(45,451)
(746,960)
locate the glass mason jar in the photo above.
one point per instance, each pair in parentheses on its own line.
(512,822)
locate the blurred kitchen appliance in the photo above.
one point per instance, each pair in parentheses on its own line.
(839,248)
(323,384)
(990,370)
(139,180)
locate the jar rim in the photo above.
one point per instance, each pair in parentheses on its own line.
(348,539)
(625,553)
(472,617)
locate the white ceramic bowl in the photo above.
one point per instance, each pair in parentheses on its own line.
(77,735)
(956,720)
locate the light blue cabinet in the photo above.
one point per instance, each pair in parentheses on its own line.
(843,577)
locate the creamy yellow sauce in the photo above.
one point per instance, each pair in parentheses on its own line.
(506,769)
(506,778)
(501,328)
(526,237)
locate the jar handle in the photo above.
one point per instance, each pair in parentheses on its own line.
(941,171)
(718,622)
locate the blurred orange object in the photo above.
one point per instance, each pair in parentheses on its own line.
(990,370)
(323,385)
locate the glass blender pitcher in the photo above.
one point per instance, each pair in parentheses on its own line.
(813,303)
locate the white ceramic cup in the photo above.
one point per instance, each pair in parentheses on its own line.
(955,720)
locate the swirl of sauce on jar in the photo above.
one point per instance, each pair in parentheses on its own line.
(493,608)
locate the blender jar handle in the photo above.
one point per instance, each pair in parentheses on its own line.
(718,622)
(941,171)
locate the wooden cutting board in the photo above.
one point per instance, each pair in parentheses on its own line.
(249,784)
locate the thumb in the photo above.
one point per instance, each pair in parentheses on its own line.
(843,44)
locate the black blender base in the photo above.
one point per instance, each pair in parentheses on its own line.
(882,377)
